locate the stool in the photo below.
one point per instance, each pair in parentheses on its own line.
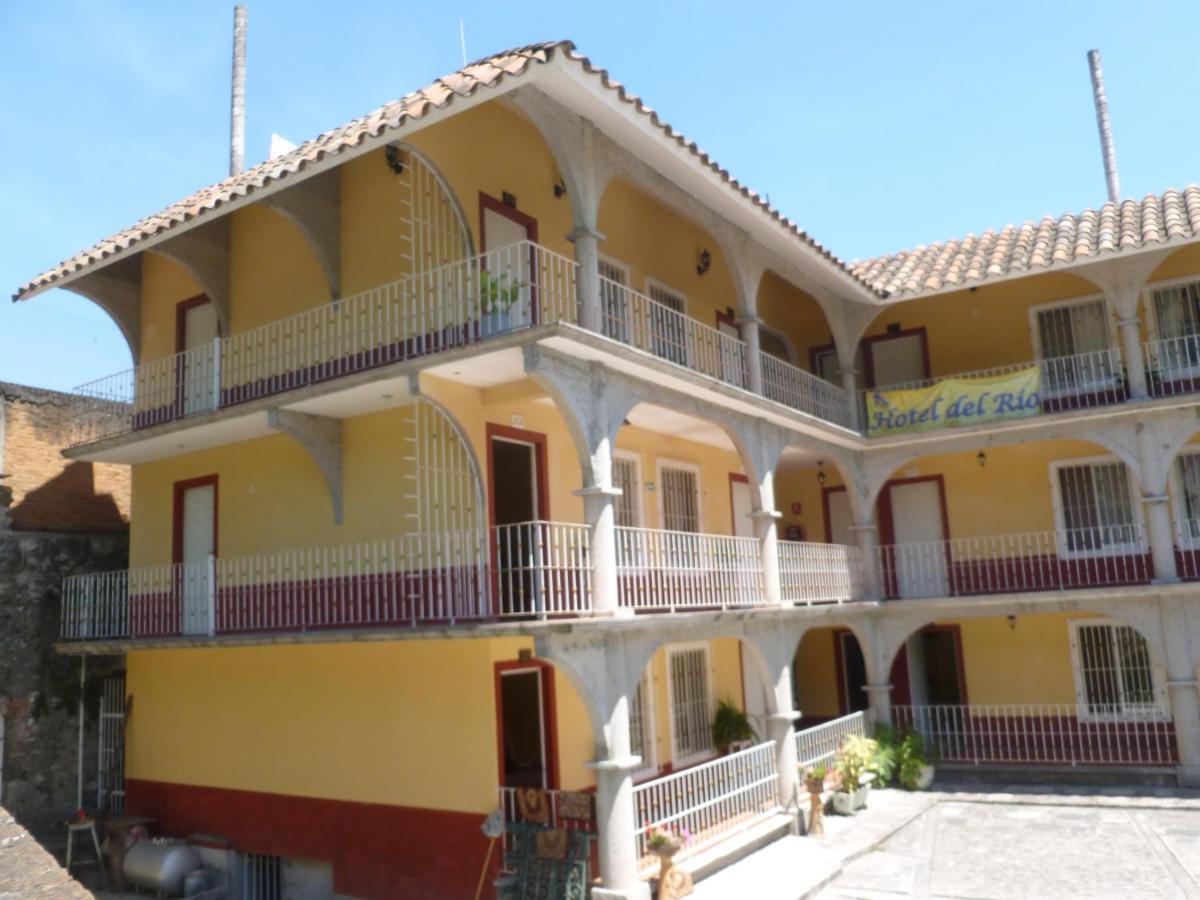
(88,825)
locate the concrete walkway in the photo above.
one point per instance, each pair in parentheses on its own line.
(1010,843)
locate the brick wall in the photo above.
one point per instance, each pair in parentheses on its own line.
(48,492)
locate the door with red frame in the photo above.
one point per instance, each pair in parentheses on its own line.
(195,547)
(526,725)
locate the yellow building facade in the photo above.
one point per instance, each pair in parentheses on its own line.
(498,440)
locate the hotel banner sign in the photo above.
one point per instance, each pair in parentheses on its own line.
(955,403)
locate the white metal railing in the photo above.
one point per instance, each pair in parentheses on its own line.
(1173,366)
(668,570)
(1083,380)
(1109,556)
(407,580)
(820,573)
(820,744)
(457,304)
(710,801)
(1045,733)
(633,318)
(803,391)
(507,797)
(542,568)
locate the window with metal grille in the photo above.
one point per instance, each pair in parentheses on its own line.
(1079,330)
(680,500)
(640,732)
(262,877)
(614,300)
(110,777)
(1097,507)
(668,327)
(1177,319)
(628,505)
(691,705)
(1187,467)
(1113,676)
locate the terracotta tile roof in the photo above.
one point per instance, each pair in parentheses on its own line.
(484,73)
(1034,246)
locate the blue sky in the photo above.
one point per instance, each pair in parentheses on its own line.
(877,126)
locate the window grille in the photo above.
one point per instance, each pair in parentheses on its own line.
(1097,507)
(639,722)
(1188,467)
(262,877)
(628,505)
(1071,330)
(667,325)
(614,300)
(680,498)
(691,706)
(1114,677)
(110,768)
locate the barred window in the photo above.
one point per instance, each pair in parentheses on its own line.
(627,506)
(1097,507)
(640,732)
(691,703)
(680,500)
(1071,339)
(1188,468)
(1112,669)
(668,329)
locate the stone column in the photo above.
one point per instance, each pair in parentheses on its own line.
(781,728)
(850,386)
(880,698)
(1181,637)
(615,827)
(600,514)
(1161,537)
(1135,360)
(748,326)
(587,278)
(867,536)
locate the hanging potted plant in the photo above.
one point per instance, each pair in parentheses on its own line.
(730,726)
(497,296)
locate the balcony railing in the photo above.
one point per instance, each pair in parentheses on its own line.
(820,573)
(803,391)
(455,305)
(820,744)
(542,569)
(1110,556)
(1043,734)
(710,801)
(1173,366)
(668,570)
(1080,381)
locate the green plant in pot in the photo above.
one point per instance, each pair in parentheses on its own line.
(914,762)
(729,726)
(856,767)
(498,294)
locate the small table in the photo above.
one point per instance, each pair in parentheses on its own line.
(88,825)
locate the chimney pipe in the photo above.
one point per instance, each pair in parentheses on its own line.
(1106,141)
(237,117)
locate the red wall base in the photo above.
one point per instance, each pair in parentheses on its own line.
(377,851)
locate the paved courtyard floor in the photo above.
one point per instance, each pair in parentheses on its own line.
(1019,851)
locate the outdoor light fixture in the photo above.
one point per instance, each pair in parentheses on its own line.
(705,262)
(1012,623)
(560,189)
(395,161)
(981,458)
(821,476)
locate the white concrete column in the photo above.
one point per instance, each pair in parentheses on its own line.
(587,279)
(880,698)
(748,326)
(599,512)
(766,529)
(617,850)
(1181,637)
(1161,537)
(849,378)
(1135,359)
(867,536)
(781,728)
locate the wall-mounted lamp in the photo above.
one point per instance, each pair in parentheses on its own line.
(560,189)
(1012,623)
(981,458)
(821,476)
(705,262)
(395,159)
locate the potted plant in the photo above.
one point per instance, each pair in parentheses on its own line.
(814,783)
(497,296)
(814,778)
(914,768)
(729,726)
(664,844)
(856,765)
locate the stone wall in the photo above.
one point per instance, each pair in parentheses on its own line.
(39,687)
(47,492)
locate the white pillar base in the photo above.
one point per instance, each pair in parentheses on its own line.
(641,892)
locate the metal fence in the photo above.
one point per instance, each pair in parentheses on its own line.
(542,568)
(820,573)
(803,391)
(820,744)
(668,570)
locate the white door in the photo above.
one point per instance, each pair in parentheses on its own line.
(755,692)
(920,548)
(201,381)
(743,525)
(898,360)
(840,519)
(199,508)
(508,278)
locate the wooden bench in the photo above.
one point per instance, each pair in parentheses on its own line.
(531,876)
